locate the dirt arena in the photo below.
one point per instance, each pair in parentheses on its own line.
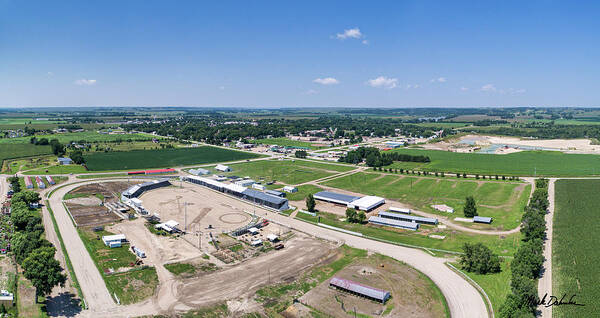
(89,211)
(205,208)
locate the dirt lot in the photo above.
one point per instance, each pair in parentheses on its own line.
(88,211)
(412,295)
(241,281)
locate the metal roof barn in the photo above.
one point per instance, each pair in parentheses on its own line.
(275,193)
(366,203)
(334,197)
(408,218)
(482,219)
(394,223)
(399,210)
(360,289)
(199,171)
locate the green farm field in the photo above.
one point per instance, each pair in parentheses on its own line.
(453,241)
(575,254)
(526,163)
(87,136)
(503,201)
(12,151)
(286,171)
(144,159)
(285,142)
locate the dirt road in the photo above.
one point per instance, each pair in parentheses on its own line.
(545,282)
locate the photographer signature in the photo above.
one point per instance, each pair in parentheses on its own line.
(550,300)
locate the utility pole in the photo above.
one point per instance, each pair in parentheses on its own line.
(185,217)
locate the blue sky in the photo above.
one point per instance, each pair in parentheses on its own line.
(306,53)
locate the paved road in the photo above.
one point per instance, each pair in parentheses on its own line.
(545,282)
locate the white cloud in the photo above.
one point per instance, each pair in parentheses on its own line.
(350,34)
(87,82)
(365,42)
(438,80)
(383,81)
(326,81)
(489,88)
(311,92)
(409,86)
(464,89)
(50,74)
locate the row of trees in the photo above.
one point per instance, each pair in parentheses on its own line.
(442,174)
(528,261)
(31,250)
(374,158)
(354,216)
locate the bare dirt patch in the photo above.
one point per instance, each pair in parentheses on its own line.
(412,295)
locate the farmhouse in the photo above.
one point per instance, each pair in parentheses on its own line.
(334,197)
(408,218)
(222,168)
(482,219)
(359,289)
(64,161)
(394,223)
(114,240)
(367,203)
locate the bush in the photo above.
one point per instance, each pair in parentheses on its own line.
(310,203)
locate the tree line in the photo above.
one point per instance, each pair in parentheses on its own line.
(31,250)
(528,261)
(374,158)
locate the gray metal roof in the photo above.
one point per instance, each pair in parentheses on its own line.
(274,192)
(482,219)
(407,217)
(333,196)
(264,197)
(364,290)
(394,223)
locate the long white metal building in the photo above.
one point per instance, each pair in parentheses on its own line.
(367,203)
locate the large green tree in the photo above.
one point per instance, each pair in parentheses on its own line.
(43,270)
(470,208)
(310,203)
(479,258)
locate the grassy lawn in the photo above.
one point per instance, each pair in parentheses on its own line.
(303,192)
(285,142)
(526,163)
(453,241)
(575,256)
(187,269)
(133,286)
(57,169)
(143,159)
(504,201)
(106,175)
(15,166)
(496,286)
(285,171)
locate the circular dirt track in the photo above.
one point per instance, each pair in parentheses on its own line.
(234,218)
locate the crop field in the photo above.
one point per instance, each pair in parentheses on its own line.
(87,136)
(525,163)
(453,241)
(12,151)
(285,142)
(504,201)
(575,254)
(26,120)
(286,171)
(143,159)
